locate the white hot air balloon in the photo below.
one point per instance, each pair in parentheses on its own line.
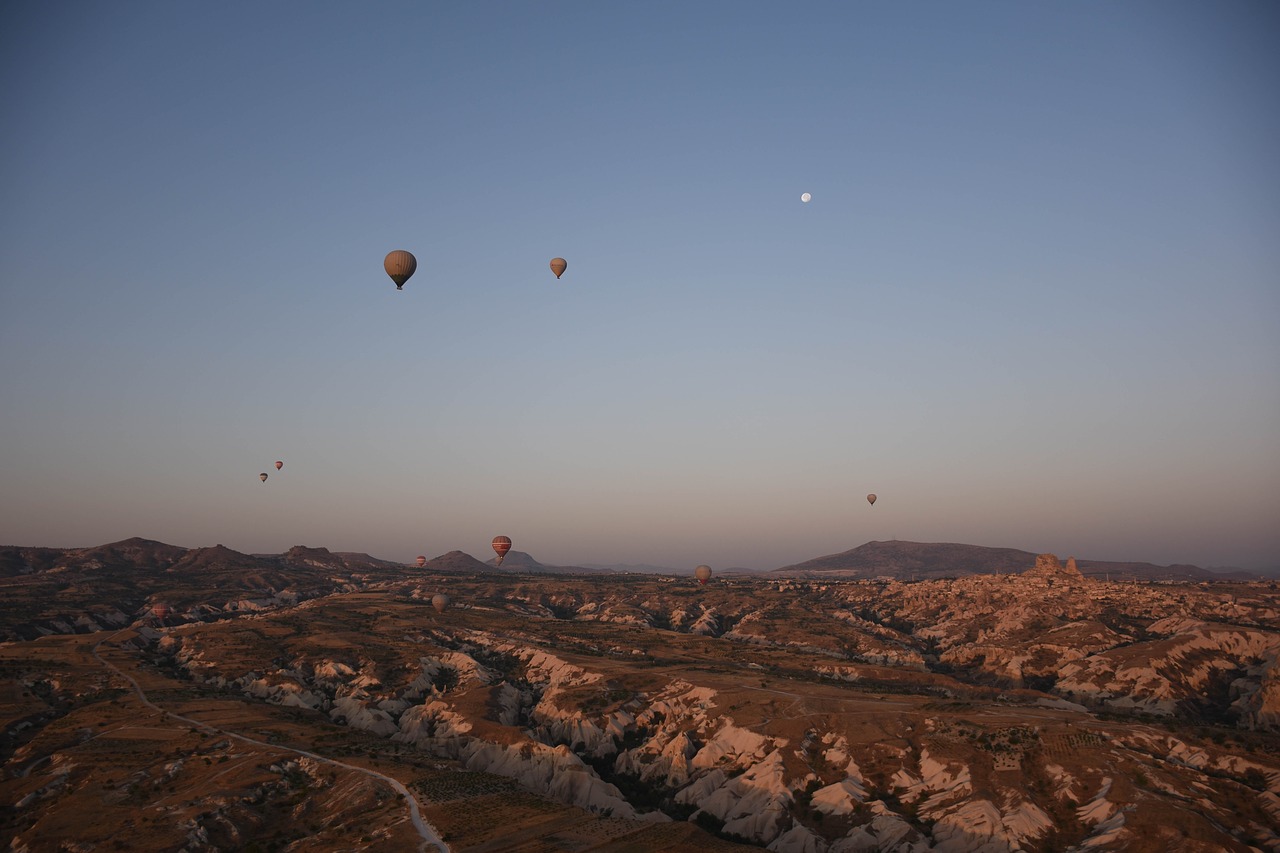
(806,197)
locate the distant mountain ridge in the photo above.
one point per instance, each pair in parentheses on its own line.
(904,560)
(68,590)
(455,561)
(523,561)
(64,590)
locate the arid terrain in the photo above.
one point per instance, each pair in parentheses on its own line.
(159,698)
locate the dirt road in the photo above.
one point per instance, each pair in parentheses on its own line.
(430,838)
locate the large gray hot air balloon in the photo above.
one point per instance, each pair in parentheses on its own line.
(400,265)
(558,266)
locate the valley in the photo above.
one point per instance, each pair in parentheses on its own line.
(539,712)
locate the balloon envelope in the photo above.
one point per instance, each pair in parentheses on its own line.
(558,266)
(871,499)
(501,545)
(806,197)
(263,476)
(440,601)
(400,265)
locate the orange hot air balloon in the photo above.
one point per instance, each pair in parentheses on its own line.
(400,265)
(558,266)
(263,476)
(439,601)
(279,465)
(702,573)
(871,499)
(501,544)
(422,561)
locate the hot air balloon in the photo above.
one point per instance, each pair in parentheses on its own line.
(502,545)
(279,464)
(558,266)
(806,197)
(263,476)
(422,561)
(160,611)
(400,265)
(439,601)
(871,499)
(702,573)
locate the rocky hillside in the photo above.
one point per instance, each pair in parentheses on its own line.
(47,591)
(993,712)
(1043,710)
(967,715)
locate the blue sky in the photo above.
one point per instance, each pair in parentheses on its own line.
(1034,302)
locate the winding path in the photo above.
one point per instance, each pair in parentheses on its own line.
(430,838)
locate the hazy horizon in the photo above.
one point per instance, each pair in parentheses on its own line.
(484,556)
(1032,304)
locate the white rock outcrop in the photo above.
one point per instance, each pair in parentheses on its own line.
(752,804)
(554,770)
(839,798)
(798,839)
(360,716)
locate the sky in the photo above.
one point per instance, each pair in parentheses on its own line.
(1033,303)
